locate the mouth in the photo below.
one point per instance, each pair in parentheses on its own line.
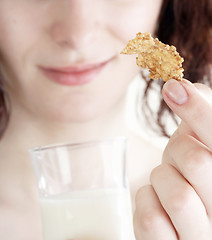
(74,75)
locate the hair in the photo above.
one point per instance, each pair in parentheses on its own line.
(4,113)
(186,24)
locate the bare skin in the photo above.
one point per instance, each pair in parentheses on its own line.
(181,207)
(56,34)
(19,200)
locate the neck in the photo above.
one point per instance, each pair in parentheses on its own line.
(24,131)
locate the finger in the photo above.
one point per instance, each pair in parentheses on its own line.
(188,102)
(150,219)
(181,202)
(185,128)
(194,161)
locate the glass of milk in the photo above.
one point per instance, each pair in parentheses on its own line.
(83,190)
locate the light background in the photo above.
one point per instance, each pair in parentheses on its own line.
(140,126)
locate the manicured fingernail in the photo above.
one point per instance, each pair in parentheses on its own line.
(175,92)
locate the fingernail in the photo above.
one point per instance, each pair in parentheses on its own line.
(175,91)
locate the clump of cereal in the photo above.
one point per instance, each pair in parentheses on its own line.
(163,61)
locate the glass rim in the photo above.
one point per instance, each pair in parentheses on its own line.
(76,144)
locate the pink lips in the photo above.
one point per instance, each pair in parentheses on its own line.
(74,75)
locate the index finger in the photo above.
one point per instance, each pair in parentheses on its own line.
(192,106)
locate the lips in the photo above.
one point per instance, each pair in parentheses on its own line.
(74,75)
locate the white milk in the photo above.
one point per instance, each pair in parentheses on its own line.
(88,215)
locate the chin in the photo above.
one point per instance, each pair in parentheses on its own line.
(87,109)
(69,117)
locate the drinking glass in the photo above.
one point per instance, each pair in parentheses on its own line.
(83,190)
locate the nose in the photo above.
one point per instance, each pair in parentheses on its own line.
(75,24)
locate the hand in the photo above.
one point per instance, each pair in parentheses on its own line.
(178,203)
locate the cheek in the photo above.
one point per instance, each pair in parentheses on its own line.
(21,26)
(20,33)
(140,16)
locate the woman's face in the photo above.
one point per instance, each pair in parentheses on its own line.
(60,59)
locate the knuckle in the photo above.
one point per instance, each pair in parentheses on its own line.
(149,219)
(196,161)
(157,173)
(148,214)
(175,143)
(178,199)
(179,141)
(141,193)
